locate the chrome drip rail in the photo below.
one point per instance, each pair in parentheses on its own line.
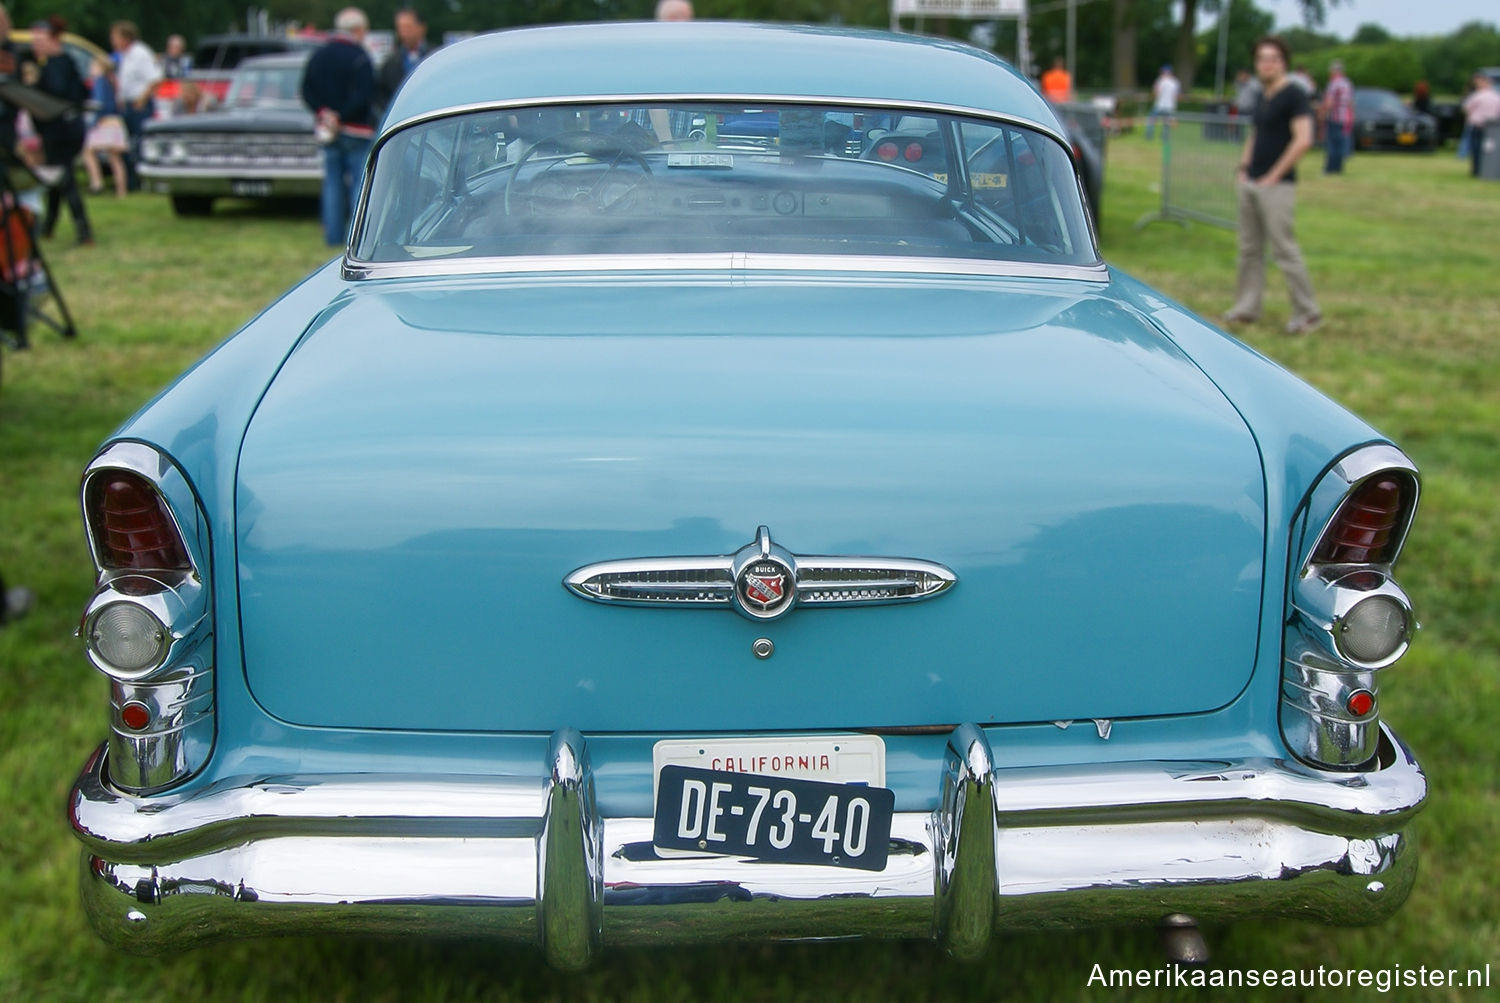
(531,858)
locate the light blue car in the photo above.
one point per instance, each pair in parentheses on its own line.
(645,533)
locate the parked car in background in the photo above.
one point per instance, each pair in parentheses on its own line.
(1382,121)
(216,57)
(645,533)
(1088,126)
(79,49)
(260,144)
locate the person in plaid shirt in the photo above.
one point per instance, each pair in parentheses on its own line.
(1338,119)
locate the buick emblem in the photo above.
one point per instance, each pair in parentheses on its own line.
(765,579)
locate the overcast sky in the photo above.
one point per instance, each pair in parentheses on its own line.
(1399,17)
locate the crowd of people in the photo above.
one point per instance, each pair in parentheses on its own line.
(108,109)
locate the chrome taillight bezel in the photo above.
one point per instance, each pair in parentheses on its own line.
(1322,682)
(177,689)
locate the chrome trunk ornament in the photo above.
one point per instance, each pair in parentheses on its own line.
(761,580)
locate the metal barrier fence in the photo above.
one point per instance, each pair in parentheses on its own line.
(1199,157)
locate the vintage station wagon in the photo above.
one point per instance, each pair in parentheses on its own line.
(721,493)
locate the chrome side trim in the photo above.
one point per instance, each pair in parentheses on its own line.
(719,261)
(712,580)
(1020,848)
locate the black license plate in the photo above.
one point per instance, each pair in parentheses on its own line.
(773,818)
(250,189)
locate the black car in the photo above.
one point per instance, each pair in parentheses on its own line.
(1089,137)
(216,57)
(1383,122)
(260,145)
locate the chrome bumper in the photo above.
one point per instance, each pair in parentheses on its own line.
(530,859)
(227,181)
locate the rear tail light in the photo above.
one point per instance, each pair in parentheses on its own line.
(1348,619)
(913,152)
(149,626)
(1363,531)
(887,151)
(131,526)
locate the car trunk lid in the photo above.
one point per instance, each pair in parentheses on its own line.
(436,457)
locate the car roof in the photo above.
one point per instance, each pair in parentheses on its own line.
(276,59)
(242,38)
(691,58)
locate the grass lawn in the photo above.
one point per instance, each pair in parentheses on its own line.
(1406,262)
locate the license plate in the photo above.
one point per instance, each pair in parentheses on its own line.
(774,818)
(1407,138)
(250,189)
(839,759)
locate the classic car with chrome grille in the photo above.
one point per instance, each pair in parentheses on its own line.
(259,144)
(1383,122)
(726,497)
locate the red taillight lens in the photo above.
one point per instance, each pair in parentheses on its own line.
(133,531)
(913,152)
(1363,531)
(886,151)
(135,716)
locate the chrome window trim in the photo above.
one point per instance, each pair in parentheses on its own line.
(928,106)
(719,261)
(355,269)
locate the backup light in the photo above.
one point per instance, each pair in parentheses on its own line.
(127,637)
(1373,629)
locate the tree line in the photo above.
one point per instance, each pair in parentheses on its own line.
(1120,43)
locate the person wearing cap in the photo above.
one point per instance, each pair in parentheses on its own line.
(1163,100)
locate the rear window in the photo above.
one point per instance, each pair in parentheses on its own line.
(693,177)
(226,55)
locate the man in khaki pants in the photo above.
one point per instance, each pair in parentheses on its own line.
(1280,133)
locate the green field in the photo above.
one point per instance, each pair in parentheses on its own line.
(1405,257)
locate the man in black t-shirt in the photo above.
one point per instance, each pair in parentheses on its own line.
(1280,133)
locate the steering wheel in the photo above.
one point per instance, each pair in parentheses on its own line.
(626,174)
